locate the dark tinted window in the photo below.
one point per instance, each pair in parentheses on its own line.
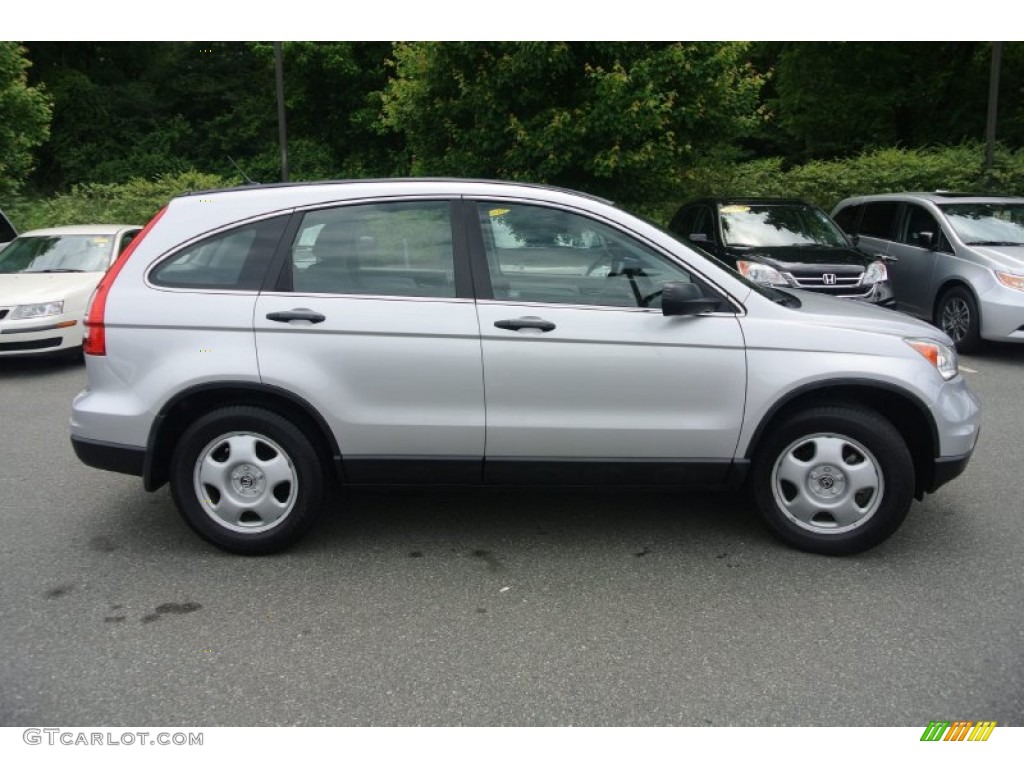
(384,249)
(126,239)
(879,219)
(916,221)
(847,218)
(7,232)
(234,260)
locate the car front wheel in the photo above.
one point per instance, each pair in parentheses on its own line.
(834,479)
(957,315)
(247,480)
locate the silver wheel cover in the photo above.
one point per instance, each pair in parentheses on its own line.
(827,483)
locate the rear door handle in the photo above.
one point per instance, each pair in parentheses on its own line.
(296,314)
(525,322)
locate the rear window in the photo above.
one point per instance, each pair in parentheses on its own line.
(233,260)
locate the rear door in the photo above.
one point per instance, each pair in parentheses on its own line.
(585,379)
(373,323)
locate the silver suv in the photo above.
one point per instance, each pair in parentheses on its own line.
(255,346)
(956,260)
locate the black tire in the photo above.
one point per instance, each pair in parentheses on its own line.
(247,480)
(854,473)
(956,313)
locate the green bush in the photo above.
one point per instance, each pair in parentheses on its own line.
(826,182)
(133,202)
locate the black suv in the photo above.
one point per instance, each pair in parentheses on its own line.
(785,243)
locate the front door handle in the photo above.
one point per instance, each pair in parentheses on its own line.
(525,322)
(296,314)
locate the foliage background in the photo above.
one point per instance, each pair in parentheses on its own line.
(107,131)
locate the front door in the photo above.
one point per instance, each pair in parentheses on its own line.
(584,377)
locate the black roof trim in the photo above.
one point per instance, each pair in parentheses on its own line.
(750,200)
(425,179)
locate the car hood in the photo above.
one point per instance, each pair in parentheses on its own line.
(842,313)
(1009,257)
(794,257)
(35,287)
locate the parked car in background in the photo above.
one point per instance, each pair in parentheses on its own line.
(7,231)
(46,278)
(254,346)
(784,243)
(955,260)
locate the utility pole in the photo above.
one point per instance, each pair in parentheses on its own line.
(993,103)
(282,132)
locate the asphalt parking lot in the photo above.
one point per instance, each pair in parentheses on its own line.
(500,607)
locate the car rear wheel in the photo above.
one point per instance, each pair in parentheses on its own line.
(957,315)
(834,480)
(247,480)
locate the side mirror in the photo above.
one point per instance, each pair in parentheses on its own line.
(926,240)
(678,299)
(698,237)
(855,239)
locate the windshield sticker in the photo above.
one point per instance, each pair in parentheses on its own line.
(497,211)
(735,208)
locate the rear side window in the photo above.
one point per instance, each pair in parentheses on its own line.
(7,232)
(847,218)
(879,220)
(383,249)
(234,260)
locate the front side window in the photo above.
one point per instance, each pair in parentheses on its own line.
(233,260)
(987,223)
(768,226)
(917,223)
(847,218)
(383,249)
(547,255)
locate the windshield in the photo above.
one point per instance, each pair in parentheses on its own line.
(57,253)
(987,223)
(784,298)
(774,226)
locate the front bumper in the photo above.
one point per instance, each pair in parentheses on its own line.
(1002,314)
(40,336)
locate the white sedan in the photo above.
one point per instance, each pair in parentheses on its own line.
(46,279)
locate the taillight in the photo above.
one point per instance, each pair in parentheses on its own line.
(95,341)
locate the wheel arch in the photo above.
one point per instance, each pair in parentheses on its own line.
(903,409)
(949,283)
(186,406)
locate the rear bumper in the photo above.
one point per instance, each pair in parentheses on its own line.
(126,459)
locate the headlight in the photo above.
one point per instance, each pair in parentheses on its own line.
(32,311)
(760,273)
(1011,281)
(938,354)
(875,273)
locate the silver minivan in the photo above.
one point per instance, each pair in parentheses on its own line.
(955,260)
(255,346)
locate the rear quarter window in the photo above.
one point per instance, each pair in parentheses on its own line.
(234,260)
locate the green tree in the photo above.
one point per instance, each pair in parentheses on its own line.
(24,117)
(624,120)
(837,99)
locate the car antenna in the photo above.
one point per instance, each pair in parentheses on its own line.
(247,179)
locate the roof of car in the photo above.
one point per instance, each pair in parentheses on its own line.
(80,229)
(938,197)
(748,200)
(413,179)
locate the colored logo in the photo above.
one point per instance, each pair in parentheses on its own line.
(958,730)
